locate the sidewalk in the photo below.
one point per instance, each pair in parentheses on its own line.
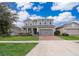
(19,41)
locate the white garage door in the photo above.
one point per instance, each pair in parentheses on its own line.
(46,32)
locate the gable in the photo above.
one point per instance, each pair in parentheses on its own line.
(72,25)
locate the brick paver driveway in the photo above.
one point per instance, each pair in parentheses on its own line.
(53,47)
(49,38)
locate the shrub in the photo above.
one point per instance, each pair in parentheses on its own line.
(57,33)
(4,35)
(25,34)
(28,34)
(65,34)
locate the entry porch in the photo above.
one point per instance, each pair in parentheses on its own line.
(40,30)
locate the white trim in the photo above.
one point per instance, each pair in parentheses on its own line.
(45,28)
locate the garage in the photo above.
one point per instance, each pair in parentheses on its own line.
(72,31)
(46,32)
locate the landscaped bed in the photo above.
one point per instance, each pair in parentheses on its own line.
(70,37)
(10,49)
(18,38)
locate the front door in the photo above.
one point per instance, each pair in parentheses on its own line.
(35,30)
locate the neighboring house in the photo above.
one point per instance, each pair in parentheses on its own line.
(40,26)
(70,28)
(16,30)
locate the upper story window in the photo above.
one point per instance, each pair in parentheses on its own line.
(30,24)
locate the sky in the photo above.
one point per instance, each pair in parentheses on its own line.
(61,12)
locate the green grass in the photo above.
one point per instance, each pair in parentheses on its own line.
(70,37)
(18,38)
(9,49)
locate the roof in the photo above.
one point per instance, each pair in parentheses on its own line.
(68,24)
(39,19)
(40,26)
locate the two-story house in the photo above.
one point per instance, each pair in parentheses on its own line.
(41,26)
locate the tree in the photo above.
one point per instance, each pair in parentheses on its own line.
(6,18)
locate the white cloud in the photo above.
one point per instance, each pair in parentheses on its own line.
(19,24)
(42,2)
(64,17)
(63,6)
(23,15)
(36,17)
(37,8)
(24,5)
(13,11)
(50,17)
(78,8)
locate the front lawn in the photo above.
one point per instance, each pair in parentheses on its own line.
(18,38)
(9,49)
(70,37)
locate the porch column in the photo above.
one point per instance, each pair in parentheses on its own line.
(27,30)
(37,29)
(53,30)
(32,30)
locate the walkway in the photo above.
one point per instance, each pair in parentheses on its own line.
(55,48)
(19,41)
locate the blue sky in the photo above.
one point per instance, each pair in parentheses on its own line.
(60,12)
(45,11)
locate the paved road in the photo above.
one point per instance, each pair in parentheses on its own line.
(55,48)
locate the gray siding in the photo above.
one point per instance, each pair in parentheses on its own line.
(72,29)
